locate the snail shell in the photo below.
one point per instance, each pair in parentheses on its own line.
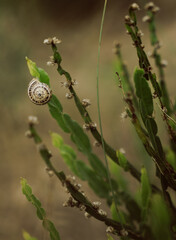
(39,93)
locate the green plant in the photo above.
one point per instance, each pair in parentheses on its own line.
(150,212)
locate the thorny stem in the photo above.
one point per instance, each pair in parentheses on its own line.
(132,28)
(168,199)
(77,195)
(125,74)
(158,61)
(164,168)
(86,117)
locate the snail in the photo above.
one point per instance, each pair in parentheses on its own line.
(38,92)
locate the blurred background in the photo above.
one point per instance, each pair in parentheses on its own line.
(23,27)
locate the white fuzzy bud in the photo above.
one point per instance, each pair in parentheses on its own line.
(146,18)
(87,215)
(102,212)
(33,120)
(28,134)
(96,204)
(134,7)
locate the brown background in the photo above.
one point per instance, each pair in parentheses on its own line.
(23,27)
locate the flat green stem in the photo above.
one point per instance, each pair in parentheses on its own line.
(157,57)
(76,194)
(86,117)
(145,64)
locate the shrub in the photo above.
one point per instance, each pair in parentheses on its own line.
(150,214)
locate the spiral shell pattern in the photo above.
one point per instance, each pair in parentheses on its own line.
(39,93)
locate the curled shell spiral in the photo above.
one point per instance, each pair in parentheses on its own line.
(38,92)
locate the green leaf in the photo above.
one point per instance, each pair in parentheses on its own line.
(27,191)
(156,85)
(44,78)
(122,160)
(110,237)
(27,236)
(67,153)
(66,149)
(119,217)
(151,126)
(171,158)
(143,92)
(117,173)
(57,140)
(97,165)
(32,68)
(160,219)
(132,207)
(56,110)
(37,72)
(152,131)
(48,225)
(119,68)
(80,138)
(100,187)
(81,170)
(145,192)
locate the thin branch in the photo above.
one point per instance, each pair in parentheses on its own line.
(133,31)
(86,117)
(163,166)
(78,195)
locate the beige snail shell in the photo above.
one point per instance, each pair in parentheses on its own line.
(38,92)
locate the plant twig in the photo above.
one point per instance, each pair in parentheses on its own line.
(86,117)
(76,194)
(125,74)
(151,11)
(133,31)
(164,167)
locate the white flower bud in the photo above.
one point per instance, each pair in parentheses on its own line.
(33,120)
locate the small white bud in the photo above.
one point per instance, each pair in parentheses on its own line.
(33,120)
(82,207)
(93,125)
(124,232)
(134,7)
(56,40)
(149,6)
(69,95)
(28,134)
(110,229)
(140,33)
(155,9)
(49,63)
(47,41)
(86,102)
(49,171)
(96,144)
(77,186)
(86,126)
(102,212)
(122,150)
(96,204)
(87,215)
(146,19)
(65,84)
(41,147)
(74,82)
(164,63)
(123,115)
